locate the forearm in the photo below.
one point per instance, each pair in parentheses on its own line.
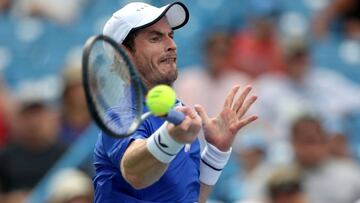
(204,192)
(139,167)
(145,161)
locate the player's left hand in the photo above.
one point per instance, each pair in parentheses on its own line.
(220,131)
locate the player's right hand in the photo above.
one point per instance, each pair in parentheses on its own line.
(188,129)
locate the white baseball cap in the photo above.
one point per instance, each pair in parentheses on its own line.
(139,15)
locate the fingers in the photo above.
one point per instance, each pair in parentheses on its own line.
(242,98)
(241,123)
(244,108)
(187,111)
(202,113)
(230,98)
(190,116)
(186,123)
(189,128)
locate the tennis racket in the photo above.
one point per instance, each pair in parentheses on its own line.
(114,91)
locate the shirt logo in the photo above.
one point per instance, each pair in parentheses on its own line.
(162,144)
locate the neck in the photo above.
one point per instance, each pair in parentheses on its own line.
(149,85)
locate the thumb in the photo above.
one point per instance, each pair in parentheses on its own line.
(202,113)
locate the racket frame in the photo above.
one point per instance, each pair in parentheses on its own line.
(139,87)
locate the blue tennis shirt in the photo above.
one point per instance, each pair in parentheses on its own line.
(180,182)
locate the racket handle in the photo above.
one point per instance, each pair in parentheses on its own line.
(175,117)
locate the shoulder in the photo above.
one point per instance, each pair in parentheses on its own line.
(343,165)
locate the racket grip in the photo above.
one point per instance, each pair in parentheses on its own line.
(175,117)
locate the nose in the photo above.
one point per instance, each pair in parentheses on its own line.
(171,45)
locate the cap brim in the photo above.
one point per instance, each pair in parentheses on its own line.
(176,13)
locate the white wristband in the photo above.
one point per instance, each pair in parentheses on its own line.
(162,146)
(212,162)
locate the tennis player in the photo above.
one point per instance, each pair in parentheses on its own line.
(161,162)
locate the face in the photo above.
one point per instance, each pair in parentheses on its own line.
(298,66)
(310,144)
(217,54)
(38,124)
(251,158)
(74,96)
(295,197)
(155,54)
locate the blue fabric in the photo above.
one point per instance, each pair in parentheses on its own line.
(180,183)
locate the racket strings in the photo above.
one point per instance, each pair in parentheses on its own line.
(112,88)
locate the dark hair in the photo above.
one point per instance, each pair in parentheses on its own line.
(215,38)
(305,119)
(284,181)
(129,41)
(288,187)
(296,50)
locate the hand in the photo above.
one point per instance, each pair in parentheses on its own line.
(220,131)
(188,130)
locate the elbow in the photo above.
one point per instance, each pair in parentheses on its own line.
(135,181)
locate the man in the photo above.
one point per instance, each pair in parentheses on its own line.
(160,162)
(325,179)
(34,145)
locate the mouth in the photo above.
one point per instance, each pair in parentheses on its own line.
(168,60)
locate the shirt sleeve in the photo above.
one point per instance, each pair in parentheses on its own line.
(115,148)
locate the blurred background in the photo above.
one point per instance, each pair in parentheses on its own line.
(302,58)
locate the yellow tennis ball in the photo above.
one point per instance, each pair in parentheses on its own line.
(160,100)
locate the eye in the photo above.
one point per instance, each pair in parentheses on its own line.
(155,38)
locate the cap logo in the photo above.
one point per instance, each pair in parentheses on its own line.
(139,9)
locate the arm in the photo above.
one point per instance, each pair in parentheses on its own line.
(141,166)
(219,133)
(144,174)
(204,192)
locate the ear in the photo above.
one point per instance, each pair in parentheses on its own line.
(129,52)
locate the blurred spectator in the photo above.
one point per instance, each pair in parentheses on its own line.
(4,5)
(251,151)
(285,186)
(75,115)
(61,11)
(248,181)
(71,186)
(338,143)
(256,49)
(198,85)
(339,147)
(325,179)
(34,147)
(303,89)
(344,12)
(309,142)
(7,113)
